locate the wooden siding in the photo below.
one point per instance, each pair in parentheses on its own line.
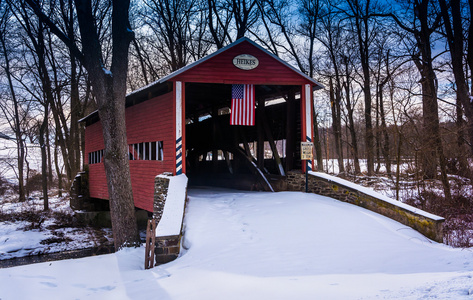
(148,121)
(220,69)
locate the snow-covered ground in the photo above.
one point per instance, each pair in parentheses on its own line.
(26,230)
(256,245)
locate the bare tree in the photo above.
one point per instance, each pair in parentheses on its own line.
(109,87)
(335,99)
(178,28)
(219,19)
(347,84)
(278,18)
(41,90)
(424,20)
(455,32)
(386,67)
(330,36)
(13,114)
(361,12)
(245,15)
(72,139)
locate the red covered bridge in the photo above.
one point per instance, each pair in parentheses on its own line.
(181,124)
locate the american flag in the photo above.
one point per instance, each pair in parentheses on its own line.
(243,105)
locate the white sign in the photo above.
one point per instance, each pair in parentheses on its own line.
(307,151)
(245,62)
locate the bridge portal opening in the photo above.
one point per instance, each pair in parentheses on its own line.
(244,157)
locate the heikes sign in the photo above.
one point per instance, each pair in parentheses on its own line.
(245,62)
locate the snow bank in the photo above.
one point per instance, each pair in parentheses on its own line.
(173,213)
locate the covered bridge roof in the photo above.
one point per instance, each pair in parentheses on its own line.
(218,68)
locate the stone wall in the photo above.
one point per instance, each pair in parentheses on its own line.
(79,194)
(429,226)
(167,248)
(161,186)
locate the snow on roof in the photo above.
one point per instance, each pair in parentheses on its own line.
(377,195)
(173,213)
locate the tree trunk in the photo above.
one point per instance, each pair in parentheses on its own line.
(398,162)
(74,134)
(455,39)
(48,152)
(377,131)
(73,143)
(44,157)
(432,148)
(336,124)
(362,32)
(20,145)
(351,122)
(386,144)
(318,145)
(431,140)
(369,137)
(464,169)
(58,169)
(122,210)
(110,92)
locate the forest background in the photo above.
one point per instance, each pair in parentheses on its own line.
(398,78)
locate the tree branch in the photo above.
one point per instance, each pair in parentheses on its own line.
(34,5)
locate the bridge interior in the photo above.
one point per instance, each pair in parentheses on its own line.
(244,157)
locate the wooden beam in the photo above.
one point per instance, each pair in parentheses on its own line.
(260,135)
(245,144)
(214,138)
(290,130)
(229,163)
(272,144)
(263,181)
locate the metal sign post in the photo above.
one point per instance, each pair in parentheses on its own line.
(307,153)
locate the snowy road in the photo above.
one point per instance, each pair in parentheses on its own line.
(255,245)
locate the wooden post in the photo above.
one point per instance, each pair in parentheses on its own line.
(260,135)
(272,144)
(214,138)
(179,125)
(290,130)
(229,163)
(245,145)
(150,243)
(306,120)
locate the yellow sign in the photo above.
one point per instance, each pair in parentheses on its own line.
(307,152)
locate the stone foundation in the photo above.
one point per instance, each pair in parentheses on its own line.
(79,194)
(167,248)
(429,225)
(102,218)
